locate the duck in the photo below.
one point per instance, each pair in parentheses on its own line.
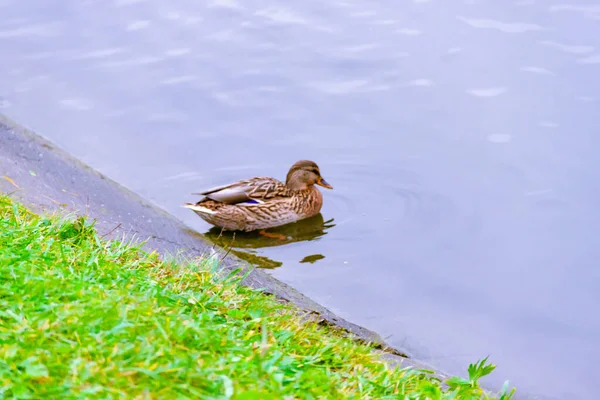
(260,203)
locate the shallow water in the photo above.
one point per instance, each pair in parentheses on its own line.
(460,137)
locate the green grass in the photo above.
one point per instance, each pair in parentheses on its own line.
(81,317)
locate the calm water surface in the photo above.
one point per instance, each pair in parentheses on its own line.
(461,138)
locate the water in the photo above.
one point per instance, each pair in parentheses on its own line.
(461,139)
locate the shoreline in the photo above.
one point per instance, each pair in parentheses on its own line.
(104,317)
(47,179)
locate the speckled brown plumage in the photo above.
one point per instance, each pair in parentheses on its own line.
(263,202)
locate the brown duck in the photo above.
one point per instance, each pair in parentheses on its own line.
(260,203)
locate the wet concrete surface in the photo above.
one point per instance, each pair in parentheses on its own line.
(47,179)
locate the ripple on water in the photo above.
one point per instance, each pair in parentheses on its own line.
(595,59)
(230,4)
(202,180)
(547,205)
(506,27)
(487,92)
(384,194)
(573,49)
(421,82)
(409,32)
(500,138)
(4,103)
(537,70)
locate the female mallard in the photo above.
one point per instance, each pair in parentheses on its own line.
(262,202)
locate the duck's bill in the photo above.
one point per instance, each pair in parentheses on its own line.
(323,182)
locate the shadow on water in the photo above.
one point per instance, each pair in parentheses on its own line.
(243,244)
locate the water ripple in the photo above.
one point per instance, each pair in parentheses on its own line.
(138,25)
(595,59)
(100,53)
(40,30)
(406,202)
(514,27)
(409,32)
(281,15)
(421,82)
(77,104)
(591,9)
(500,138)
(573,49)
(344,87)
(125,3)
(487,92)
(537,70)
(231,4)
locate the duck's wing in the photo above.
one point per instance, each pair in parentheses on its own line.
(251,191)
(232,193)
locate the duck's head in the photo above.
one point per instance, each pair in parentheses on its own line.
(303,174)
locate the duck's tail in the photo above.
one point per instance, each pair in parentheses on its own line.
(200,209)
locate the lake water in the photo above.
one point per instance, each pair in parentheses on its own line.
(461,137)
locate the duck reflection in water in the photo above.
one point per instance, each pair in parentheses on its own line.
(244,244)
(290,211)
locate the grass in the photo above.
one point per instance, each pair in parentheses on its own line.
(81,317)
